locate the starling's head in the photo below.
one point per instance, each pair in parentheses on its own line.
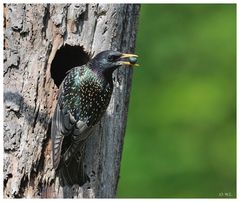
(107,61)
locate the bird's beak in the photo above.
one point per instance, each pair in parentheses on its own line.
(128,55)
(129,63)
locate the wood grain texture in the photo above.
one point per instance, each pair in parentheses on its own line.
(33,33)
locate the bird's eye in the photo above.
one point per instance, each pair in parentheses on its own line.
(111,58)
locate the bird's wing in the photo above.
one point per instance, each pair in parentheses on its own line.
(64,124)
(61,126)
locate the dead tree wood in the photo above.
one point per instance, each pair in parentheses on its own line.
(40,42)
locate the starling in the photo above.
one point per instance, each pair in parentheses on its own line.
(83,97)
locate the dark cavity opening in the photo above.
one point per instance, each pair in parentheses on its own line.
(65,59)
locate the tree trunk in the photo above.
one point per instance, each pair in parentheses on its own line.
(41,43)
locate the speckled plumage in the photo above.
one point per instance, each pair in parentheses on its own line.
(85,94)
(83,98)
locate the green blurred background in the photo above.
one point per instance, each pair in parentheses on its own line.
(181,132)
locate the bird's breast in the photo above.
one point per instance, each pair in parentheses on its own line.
(94,101)
(88,101)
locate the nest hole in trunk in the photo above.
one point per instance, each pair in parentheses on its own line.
(65,59)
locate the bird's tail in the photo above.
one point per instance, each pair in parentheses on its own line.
(71,171)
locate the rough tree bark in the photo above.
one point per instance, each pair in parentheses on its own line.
(33,36)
